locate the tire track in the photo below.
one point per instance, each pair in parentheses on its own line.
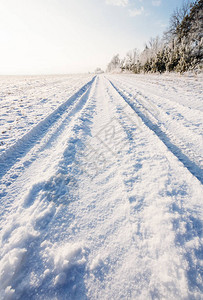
(193,168)
(175,204)
(43,205)
(29,140)
(170,118)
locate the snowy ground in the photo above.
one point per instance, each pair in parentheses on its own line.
(101,187)
(25,101)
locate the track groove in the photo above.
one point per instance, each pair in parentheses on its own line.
(193,168)
(23,145)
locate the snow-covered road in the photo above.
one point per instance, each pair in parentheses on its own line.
(101,195)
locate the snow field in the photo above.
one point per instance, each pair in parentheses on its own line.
(100,207)
(25,101)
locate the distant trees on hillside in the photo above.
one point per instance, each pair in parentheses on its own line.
(180,49)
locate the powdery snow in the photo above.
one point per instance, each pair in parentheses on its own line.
(25,101)
(101,194)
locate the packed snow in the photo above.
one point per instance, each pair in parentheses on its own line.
(101,187)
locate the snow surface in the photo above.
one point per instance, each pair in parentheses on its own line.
(101,187)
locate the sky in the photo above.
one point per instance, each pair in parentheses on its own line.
(75,36)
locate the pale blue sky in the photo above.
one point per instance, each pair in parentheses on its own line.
(66,36)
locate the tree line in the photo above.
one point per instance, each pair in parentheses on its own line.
(180,49)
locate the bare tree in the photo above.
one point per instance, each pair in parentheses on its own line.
(176,19)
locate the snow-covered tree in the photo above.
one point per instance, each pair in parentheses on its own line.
(115,64)
(131,59)
(98,71)
(180,49)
